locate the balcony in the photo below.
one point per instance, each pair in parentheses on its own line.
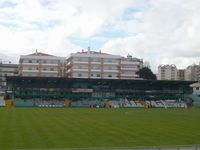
(48,71)
(129,75)
(95,63)
(95,70)
(130,62)
(76,76)
(111,63)
(50,65)
(131,69)
(34,71)
(80,62)
(30,64)
(110,71)
(77,69)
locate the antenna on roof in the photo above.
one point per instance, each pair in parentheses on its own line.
(88,48)
(36,51)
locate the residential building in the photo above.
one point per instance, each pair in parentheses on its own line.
(91,64)
(167,72)
(41,65)
(192,73)
(7,69)
(198,72)
(181,74)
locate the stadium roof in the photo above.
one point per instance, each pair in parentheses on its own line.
(65,82)
(195,84)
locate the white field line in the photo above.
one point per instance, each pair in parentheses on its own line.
(177,147)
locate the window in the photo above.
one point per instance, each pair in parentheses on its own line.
(30,61)
(80,75)
(44,69)
(97,67)
(52,69)
(109,75)
(29,68)
(98,75)
(91,75)
(197,88)
(44,61)
(37,61)
(96,59)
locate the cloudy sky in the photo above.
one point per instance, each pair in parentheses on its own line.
(159,31)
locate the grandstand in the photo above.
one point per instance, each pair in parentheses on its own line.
(65,92)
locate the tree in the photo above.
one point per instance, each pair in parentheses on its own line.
(146,73)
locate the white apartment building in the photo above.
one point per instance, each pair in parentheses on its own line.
(167,72)
(91,64)
(192,73)
(7,69)
(41,65)
(181,74)
(198,73)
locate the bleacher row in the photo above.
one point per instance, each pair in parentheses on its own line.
(123,103)
(38,103)
(148,104)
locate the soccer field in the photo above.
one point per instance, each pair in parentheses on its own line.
(43,128)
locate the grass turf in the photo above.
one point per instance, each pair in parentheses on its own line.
(34,128)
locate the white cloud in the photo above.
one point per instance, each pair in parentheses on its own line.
(166,32)
(160,31)
(24,27)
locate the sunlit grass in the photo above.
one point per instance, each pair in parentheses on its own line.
(83,128)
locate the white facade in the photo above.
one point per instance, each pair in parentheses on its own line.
(7,70)
(181,74)
(192,73)
(99,65)
(41,65)
(167,72)
(196,88)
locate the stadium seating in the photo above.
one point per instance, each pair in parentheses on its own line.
(38,103)
(122,103)
(24,102)
(87,104)
(166,104)
(126,103)
(52,103)
(115,103)
(174,104)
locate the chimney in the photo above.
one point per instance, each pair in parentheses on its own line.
(36,52)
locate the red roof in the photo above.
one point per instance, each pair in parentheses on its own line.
(39,54)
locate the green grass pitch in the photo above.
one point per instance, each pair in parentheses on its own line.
(43,128)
